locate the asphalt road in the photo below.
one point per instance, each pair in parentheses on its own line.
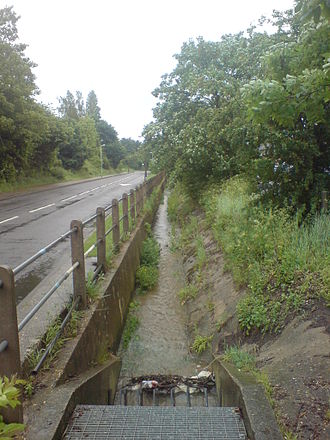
(29,221)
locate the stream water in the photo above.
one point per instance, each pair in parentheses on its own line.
(160,345)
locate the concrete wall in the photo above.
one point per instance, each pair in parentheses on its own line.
(239,389)
(104,322)
(78,377)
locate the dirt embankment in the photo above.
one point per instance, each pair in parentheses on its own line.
(296,360)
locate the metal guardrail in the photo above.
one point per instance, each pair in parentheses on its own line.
(132,205)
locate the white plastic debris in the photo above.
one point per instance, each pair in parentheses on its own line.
(204,373)
(149,384)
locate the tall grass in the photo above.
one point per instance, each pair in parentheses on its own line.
(280,262)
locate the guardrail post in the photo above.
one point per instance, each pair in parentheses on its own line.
(100,235)
(125,214)
(77,255)
(325,201)
(10,362)
(132,206)
(115,224)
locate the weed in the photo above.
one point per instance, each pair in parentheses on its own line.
(150,252)
(9,396)
(211,306)
(29,388)
(132,323)
(201,343)
(186,293)
(146,277)
(91,286)
(241,359)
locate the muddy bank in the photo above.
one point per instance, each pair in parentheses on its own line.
(296,361)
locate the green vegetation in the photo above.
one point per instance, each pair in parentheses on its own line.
(146,278)
(251,103)
(9,397)
(147,274)
(201,343)
(282,264)
(132,323)
(187,293)
(70,331)
(38,146)
(241,359)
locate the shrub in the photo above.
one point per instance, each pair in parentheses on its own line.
(9,395)
(147,277)
(201,343)
(150,252)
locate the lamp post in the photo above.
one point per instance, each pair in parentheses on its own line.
(101,157)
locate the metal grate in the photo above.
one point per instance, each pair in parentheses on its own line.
(157,423)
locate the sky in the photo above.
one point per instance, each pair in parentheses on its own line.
(121,48)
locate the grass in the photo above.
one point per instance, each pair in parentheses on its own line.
(281,263)
(187,293)
(241,359)
(70,331)
(201,343)
(132,323)
(56,175)
(148,273)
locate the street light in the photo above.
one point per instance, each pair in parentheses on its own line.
(101,157)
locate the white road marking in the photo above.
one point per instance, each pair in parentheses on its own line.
(42,207)
(8,219)
(69,198)
(125,184)
(85,192)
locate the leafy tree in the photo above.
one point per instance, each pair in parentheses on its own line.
(291,107)
(23,124)
(92,108)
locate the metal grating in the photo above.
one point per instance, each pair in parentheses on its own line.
(156,423)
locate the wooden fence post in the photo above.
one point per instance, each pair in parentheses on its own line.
(100,235)
(115,224)
(77,255)
(125,214)
(132,206)
(10,362)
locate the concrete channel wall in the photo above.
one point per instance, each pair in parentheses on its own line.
(87,370)
(239,389)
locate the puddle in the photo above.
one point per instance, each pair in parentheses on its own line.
(160,345)
(26,283)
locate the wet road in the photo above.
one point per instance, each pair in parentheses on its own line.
(29,221)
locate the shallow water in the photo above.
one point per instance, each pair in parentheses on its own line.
(160,345)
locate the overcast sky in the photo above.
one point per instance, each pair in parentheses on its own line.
(121,48)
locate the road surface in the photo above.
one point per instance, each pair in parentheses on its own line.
(29,221)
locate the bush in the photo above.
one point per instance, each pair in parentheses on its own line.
(150,252)
(147,277)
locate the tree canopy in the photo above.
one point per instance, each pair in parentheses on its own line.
(33,137)
(253,103)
